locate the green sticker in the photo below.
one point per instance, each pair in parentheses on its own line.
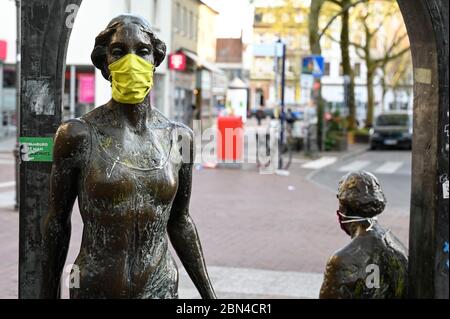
(36,149)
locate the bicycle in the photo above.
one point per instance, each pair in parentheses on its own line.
(284,150)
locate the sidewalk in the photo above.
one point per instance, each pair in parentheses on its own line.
(8,144)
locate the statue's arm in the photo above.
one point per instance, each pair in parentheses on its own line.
(69,145)
(331,283)
(182,231)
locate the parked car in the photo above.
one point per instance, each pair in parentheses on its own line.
(393,129)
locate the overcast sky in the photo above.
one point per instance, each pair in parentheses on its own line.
(235,15)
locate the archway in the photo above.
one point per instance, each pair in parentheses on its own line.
(427,25)
(43,61)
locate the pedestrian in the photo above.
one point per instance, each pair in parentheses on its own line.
(260,115)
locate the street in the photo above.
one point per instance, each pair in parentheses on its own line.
(392,167)
(263,236)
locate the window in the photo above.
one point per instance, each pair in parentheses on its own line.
(191,25)
(326,72)
(185,22)
(155,13)
(178,18)
(299,18)
(357,69)
(374,43)
(195,27)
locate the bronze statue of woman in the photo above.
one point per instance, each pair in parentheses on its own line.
(126,164)
(374,265)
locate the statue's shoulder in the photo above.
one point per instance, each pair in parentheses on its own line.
(72,131)
(72,140)
(358,251)
(394,244)
(183,130)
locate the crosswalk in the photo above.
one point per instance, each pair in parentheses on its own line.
(400,167)
(354,166)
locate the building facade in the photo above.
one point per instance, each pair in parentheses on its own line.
(86,28)
(197,86)
(85,87)
(265,83)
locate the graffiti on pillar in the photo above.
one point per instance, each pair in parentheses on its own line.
(443,180)
(446,253)
(40,96)
(446,137)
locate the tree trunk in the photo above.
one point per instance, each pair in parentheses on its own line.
(370,98)
(313,26)
(346,65)
(384,88)
(314,43)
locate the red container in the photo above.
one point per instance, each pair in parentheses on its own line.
(3,50)
(230,139)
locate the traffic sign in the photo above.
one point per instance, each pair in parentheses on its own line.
(314,65)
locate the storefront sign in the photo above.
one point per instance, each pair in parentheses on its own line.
(177,62)
(3,50)
(86,88)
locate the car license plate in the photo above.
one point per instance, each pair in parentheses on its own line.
(390,142)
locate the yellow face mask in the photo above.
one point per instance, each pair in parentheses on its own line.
(131,79)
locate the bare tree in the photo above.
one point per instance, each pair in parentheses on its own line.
(370,52)
(347,70)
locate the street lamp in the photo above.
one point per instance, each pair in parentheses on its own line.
(282,45)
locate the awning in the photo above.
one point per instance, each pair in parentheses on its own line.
(202,63)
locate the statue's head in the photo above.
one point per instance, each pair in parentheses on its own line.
(360,194)
(127,34)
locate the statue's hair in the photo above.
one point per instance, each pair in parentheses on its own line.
(360,193)
(102,41)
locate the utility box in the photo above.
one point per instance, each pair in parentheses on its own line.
(230,139)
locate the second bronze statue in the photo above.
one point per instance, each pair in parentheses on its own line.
(126,165)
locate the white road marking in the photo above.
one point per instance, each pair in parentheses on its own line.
(389,167)
(320,163)
(7,184)
(241,282)
(354,166)
(7,199)
(6,162)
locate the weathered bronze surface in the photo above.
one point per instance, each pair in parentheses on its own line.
(124,164)
(374,265)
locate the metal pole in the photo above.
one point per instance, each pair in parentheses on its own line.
(18,69)
(276,70)
(45,37)
(1,96)
(73,84)
(282,113)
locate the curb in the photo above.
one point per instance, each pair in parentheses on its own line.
(342,157)
(310,176)
(354,153)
